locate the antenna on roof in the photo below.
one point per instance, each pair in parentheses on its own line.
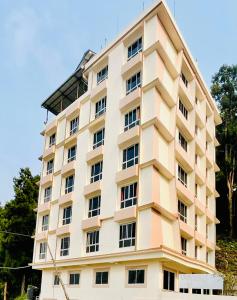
(143,5)
(174,7)
(105,42)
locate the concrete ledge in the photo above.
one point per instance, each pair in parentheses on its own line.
(41,236)
(66,199)
(99,91)
(46,179)
(125,214)
(63,230)
(127,174)
(68,168)
(131,66)
(131,100)
(90,223)
(44,207)
(92,188)
(49,152)
(95,154)
(129,137)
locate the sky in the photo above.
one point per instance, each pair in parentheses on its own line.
(42,42)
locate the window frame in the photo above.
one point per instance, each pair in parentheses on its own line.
(47,197)
(69,188)
(96,176)
(182,211)
(134,82)
(50,166)
(64,251)
(67,220)
(45,225)
(134,160)
(183,109)
(100,76)
(184,174)
(169,286)
(69,278)
(91,211)
(97,143)
(74,126)
(127,234)
(70,155)
(95,241)
(56,280)
(52,140)
(101,271)
(139,48)
(132,118)
(42,245)
(183,142)
(184,246)
(100,107)
(132,192)
(136,268)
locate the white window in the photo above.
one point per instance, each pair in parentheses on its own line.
(56,280)
(102,75)
(94,206)
(136,276)
(130,156)
(127,235)
(132,119)
(184,246)
(182,176)
(49,167)
(71,155)
(65,245)
(69,184)
(129,195)
(135,48)
(183,142)
(168,280)
(74,278)
(98,138)
(196,251)
(184,79)
(47,194)
(92,241)
(183,109)
(45,222)
(196,222)
(52,140)
(182,209)
(133,83)
(43,250)
(74,124)
(67,215)
(96,171)
(102,277)
(100,107)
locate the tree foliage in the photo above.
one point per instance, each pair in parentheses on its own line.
(224,91)
(18,216)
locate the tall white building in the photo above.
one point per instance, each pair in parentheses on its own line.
(127,190)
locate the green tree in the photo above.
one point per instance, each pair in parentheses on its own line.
(18,216)
(224,91)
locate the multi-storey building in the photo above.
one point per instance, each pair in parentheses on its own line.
(127,191)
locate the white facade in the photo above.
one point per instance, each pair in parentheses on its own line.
(159,144)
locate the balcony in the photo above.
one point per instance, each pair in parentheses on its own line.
(52,126)
(131,66)
(46,180)
(200,239)
(186,230)
(68,168)
(95,155)
(92,188)
(185,125)
(91,223)
(199,176)
(48,153)
(131,100)
(66,199)
(63,230)
(210,217)
(129,137)
(199,207)
(126,214)
(127,175)
(97,123)
(41,236)
(200,148)
(184,193)
(99,91)
(186,96)
(43,208)
(183,157)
